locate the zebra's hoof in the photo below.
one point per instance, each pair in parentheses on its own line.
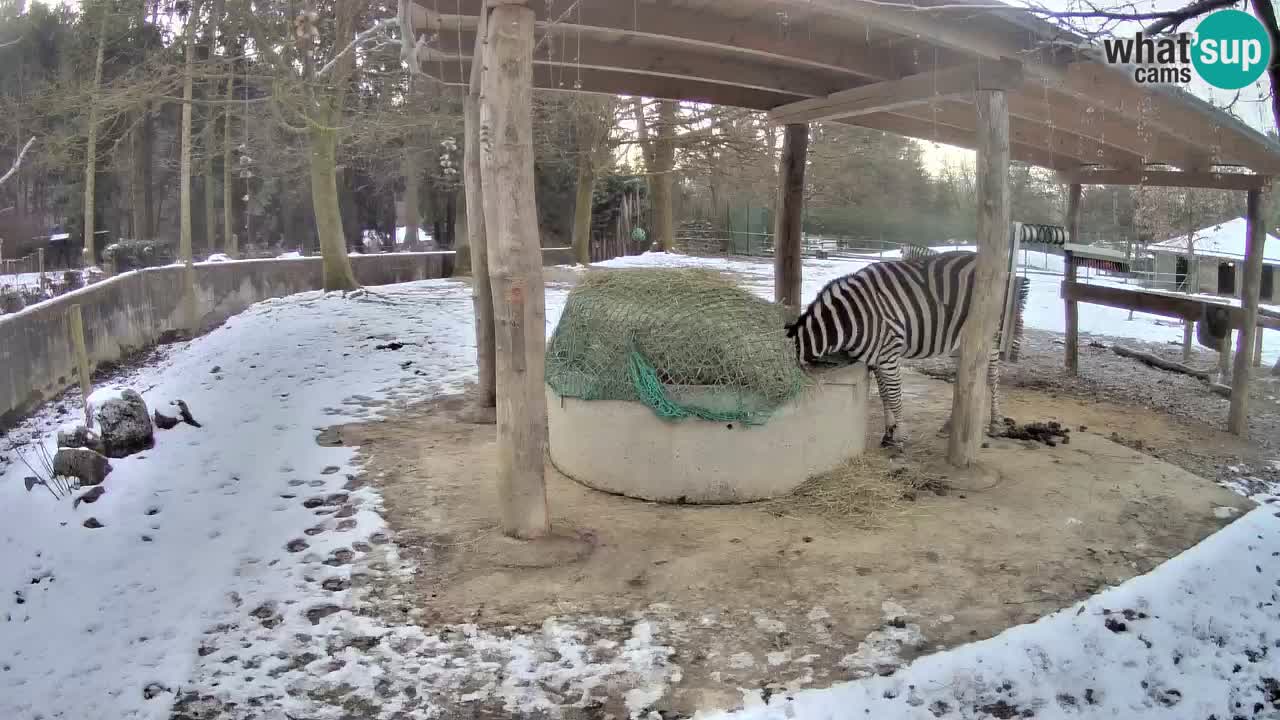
(892,443)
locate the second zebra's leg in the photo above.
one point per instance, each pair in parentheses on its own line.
(995,426)
(889,383)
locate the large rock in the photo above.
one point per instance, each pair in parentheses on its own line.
(124,424)
(72,435)
(89,467)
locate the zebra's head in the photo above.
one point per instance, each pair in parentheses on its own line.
(805,354)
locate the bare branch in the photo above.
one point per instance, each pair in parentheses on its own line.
(359,40)
(1176,18)
(7,43)
(1267,14)
(17,163)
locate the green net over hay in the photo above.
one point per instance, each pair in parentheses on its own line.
(685,342)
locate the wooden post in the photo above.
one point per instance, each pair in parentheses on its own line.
(787,227)
(481,292)
(971,400)
(1011,292)
(1074,197)
(1238,416)
(76,321)
(511,222)
(1224,358)
(40,265)
(1257,348)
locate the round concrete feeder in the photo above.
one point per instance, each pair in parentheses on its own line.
(624,448)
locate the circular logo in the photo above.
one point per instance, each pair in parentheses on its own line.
(1231,49)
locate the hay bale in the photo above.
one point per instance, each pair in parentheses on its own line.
(650,335)
(866,492)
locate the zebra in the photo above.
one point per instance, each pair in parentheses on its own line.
(890,311)
(1021,289)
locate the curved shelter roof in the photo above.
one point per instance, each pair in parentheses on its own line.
(907,68)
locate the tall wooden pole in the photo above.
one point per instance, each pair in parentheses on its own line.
(1074,197)
(787,228)
(1238,416)
(481,293)
(971,400)
(511,222)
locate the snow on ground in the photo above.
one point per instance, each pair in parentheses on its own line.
(1196,638)
(91,617)
(204,577)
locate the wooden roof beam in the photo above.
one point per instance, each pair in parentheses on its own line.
(1167,178)
(696,27)
(1055,140)
(615,82)
(1048,107)
(1089,81)
(892,95)
(919,129)
(632,55)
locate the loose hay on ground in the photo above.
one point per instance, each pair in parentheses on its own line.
(867,492)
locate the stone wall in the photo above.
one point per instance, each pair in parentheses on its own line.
(132,311)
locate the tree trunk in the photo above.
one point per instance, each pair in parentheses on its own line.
(787,234)
(184,139)
(990,277)
(150,212)
(481,292)
(91,148)
(512,217)
(664,154)
(1238,415)
(582,210)
(412,212)
(210,196)
(228,179)
(184,170)
(324,200)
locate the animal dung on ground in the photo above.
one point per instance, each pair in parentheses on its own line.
(1049,433)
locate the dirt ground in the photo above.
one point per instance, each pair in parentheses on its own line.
(774,597)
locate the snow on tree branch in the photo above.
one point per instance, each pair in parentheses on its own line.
(17,163)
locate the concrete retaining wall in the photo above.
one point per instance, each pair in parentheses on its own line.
(133,310)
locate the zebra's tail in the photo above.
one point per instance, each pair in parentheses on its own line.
(1022,286)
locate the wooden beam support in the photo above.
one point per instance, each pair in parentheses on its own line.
(890,95)
(1238,415)
(1052,139)
(1039,104)
(749,34)
(511,224)
(473,187)
(918,128)
(1181,307)
(1075,197)
(1168,178)
(969,407)
(788,234)
(669,60)
(611,82)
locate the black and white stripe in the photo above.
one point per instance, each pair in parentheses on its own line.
(893,311)
(1021,285)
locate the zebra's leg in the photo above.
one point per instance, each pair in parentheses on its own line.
(889,382)
(996,424)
